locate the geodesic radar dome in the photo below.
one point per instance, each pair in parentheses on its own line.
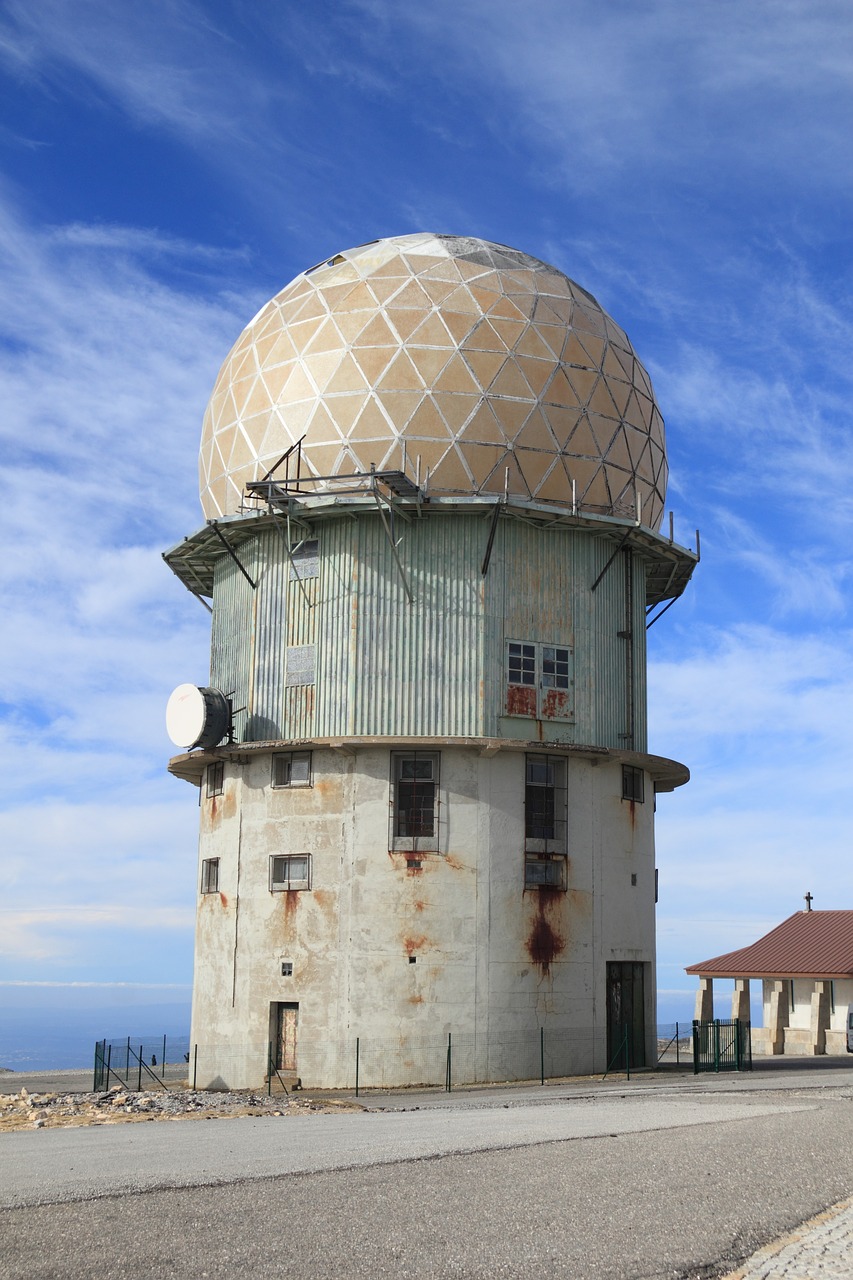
(495,370)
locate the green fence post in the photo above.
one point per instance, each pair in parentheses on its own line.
(164,1055)
(541,1055)
(677,1059)
(139,1075)
(448,1078)
(716,1044)
(357,1045)
(269,1068)
(195,1065)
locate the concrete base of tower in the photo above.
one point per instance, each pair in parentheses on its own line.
(391,913)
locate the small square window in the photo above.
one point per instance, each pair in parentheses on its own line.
(210,875)
(292,871)
(287,968)
(633,783)
(215,779)
(291,769)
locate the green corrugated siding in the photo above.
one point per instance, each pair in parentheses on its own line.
(435,666)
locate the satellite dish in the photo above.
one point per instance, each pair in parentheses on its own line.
(197,717)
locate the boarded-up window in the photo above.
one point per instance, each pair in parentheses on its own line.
(305,560)
(300,664)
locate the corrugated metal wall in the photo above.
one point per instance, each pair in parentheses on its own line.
(435,666)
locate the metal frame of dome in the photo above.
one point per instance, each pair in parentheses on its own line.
(495,369)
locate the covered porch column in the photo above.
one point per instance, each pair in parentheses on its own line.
(819,1016)
(740,1000)
(705,1001)
(780,1012)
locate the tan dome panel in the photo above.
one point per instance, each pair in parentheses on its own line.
(401,345)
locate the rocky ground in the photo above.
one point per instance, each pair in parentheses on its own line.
(26,1110)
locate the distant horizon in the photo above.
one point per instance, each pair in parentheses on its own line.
(56,1037)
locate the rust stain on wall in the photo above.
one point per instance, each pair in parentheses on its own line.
(520,700)
(223,899)
(415,943)
(291,906)
(555,704)
(416,999)
(545,942)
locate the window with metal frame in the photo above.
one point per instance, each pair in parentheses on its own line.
(215,778)
(290,871)
(414,800)
(292,769)
(633,783)
(539,680)
(210,875)
(545,822)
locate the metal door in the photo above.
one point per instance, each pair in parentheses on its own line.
(626,1013)
(285,1040)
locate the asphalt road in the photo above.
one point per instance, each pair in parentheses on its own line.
(676,1180)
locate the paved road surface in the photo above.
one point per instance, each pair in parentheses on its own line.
(678,1179)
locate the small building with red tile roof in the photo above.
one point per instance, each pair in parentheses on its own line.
(806,968)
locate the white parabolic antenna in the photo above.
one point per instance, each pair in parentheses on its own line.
(197,717)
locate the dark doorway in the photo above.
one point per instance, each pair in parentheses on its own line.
(626,1008)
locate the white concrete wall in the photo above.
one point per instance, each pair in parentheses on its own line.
(493,962)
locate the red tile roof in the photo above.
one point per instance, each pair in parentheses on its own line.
(809,944)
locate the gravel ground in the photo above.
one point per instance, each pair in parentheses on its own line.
(25,1110)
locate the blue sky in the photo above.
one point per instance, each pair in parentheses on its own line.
(167,167)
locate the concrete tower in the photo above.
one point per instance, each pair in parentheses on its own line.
(433,472)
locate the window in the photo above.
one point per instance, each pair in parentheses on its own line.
(304,560)
(215,779)
(539,680)
(210,875)
(300,665)
(291,769)
(545,861)
(633,783)
(414,801)
(290,872)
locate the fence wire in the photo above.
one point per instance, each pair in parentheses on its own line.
(370,1062)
